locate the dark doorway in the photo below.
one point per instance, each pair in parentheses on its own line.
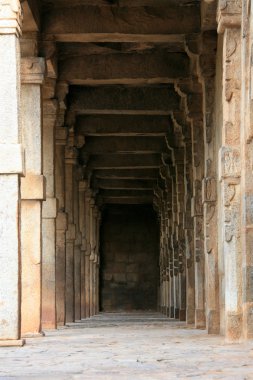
(129,258)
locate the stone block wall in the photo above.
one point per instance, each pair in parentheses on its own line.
(129,258)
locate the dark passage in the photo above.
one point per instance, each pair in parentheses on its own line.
(129,258)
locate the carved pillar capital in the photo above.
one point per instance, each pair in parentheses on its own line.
(10,17)
(32,70)
(229,14)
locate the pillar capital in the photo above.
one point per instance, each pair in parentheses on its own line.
(32,70)
(70,155)
(83,185)
(61,135)
(10,17)
(229,14)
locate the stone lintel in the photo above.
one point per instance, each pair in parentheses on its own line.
(12,159)
(62,221)
(71,232)
(12,343)
(10,17)
(32,70)
(33,187)
(49,208)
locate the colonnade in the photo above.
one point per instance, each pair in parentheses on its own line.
(204,199)
(49,218)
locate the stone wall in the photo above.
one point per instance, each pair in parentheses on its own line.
(129,258)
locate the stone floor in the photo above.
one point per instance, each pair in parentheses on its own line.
(127,347)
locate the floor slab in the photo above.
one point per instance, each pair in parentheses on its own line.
(130,346)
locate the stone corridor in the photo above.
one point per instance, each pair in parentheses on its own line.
(128,346)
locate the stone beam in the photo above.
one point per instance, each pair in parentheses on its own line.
(122,184)
(90,23)
(131,145)
(121,125)
(146,68)
(125,193)
(123,100)
(121,3)
(126,173)
(119,161)
(147,199)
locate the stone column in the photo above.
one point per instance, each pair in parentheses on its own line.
(61,224)
(77,246)
(82,226)
(189,246)
(96,259)
(33,188)
(247,175)
(11,167)
(92,255)
(87,252)
(229,18)
(209,183)
(49,212)
(70,162)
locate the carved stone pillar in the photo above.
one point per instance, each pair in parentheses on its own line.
(70,162)
(92,255)
(230,167)
(188,228)
(61,224)
(11,167)
(33,191)
(88,195)
(49,212)
(82,226)
(209,183)
(197,214)
(77,246)
(247,162)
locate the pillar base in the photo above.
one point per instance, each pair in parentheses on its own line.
(177,312)
(34,335)
(213,322)
(234,331)
(12,343)
(200,319)
(190,316)
(182,315)
(172,312)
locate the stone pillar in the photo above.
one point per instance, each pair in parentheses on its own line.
(87,253)
(32,193)
(209,183)
(77,246)
(49,212)
(247,175)
(189,246)
(229,18)
(92,255)
(11,167)
(82,226)
(61,224)
(70,162)
(96,259)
